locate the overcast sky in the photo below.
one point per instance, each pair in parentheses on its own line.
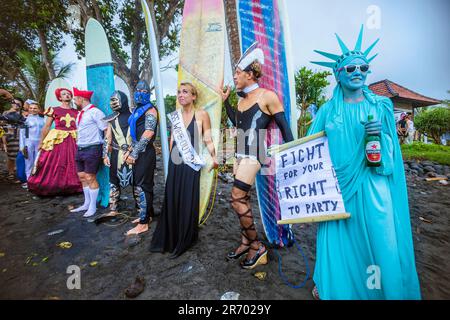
(413,50)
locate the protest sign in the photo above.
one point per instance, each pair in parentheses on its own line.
(306,183)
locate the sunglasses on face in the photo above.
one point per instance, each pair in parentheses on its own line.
(352,68)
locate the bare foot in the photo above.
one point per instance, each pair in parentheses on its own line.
(140,228)
(138,219)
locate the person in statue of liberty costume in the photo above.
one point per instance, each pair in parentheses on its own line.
(370,255)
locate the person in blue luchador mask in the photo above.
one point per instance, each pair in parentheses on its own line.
(370,255)
(143,125)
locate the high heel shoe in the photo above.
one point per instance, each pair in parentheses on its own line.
(260,258)
(234,256)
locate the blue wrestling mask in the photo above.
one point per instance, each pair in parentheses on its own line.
(142,93)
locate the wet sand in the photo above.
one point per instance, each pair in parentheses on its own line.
(32,266)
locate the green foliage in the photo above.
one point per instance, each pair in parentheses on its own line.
(234,102)
(310,88)
(434,123)
(422,151)
(170,103)
(34,76)
(124,23)
(303,123)
(20,26)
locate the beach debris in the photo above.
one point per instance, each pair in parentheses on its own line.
(53,298)
(4,270)
(136,288)
(425,220)
(443,182)
(231,295)
(65,245)
(55,232)
(45,259)
(2,254)
(133,240)
(261,275)
(187,268)
(436,178)
(30,258)
(93,263)
(421,192)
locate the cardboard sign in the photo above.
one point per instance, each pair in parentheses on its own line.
(306,183)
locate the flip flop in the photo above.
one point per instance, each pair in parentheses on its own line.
(105,218)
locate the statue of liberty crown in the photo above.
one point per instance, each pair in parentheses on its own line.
(346,52)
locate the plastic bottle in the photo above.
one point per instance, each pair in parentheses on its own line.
(373,148)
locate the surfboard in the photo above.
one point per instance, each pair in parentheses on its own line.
(202,57)
(50,97)
(154,53)
(265,21)
(100,79)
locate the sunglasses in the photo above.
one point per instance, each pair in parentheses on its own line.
(352,68)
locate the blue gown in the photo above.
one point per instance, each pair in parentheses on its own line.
(379,230)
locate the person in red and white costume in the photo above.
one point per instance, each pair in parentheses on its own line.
(90,132)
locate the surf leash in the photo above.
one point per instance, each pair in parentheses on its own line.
(280,271)
(122,217)
(213,199)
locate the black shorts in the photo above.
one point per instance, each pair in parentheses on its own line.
(89,159)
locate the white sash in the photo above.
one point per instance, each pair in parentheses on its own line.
(187,151)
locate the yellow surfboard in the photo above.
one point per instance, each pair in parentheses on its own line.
(202,54)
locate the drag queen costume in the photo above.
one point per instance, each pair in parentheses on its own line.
(56,170)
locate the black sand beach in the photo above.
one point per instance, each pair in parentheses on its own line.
(32,266)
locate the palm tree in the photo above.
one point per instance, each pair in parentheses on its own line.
(232,30)
(33,78)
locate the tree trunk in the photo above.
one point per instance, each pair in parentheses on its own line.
(46,55)
(231,21)
(136,45)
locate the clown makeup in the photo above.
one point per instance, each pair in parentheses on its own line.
(66,95)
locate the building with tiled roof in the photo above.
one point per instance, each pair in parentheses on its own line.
(403,99)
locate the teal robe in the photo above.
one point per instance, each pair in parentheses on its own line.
(376,242)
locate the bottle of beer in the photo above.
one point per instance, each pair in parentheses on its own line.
(373,148)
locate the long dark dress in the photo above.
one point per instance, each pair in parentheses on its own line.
(177,228)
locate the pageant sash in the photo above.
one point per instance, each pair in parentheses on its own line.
(187,151)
